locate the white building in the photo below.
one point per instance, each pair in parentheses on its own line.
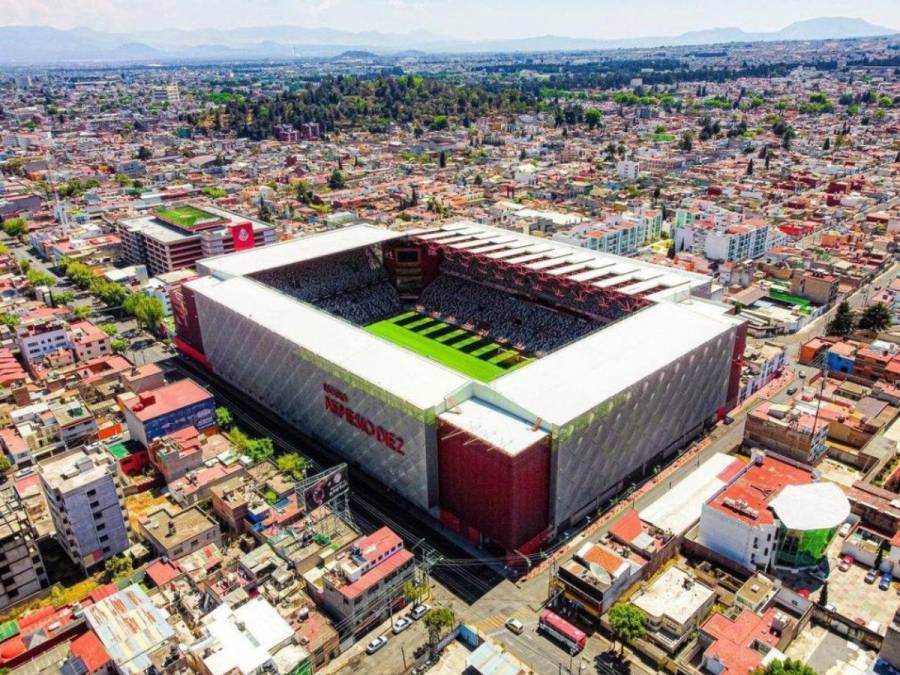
(675,605)
(41,336)
(86,506)
(628,170)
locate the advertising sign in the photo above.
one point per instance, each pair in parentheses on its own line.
(325,487)
(242,234)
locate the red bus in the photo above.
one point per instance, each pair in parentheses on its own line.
(557,627)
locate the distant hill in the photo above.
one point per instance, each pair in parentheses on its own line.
(41,44)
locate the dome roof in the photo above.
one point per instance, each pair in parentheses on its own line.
(814,506)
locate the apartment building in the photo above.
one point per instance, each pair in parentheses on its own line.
(22,572)
(162,411)
(175,535)
(788,430)
(88,341)
(359,592)
(41,336)
(86,506)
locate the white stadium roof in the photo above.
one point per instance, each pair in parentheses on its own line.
(414,379)
(298,250)
(814,506)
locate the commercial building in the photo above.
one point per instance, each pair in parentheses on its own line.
(134,632)
(162,411)
(611,402)
(594,578)
(22,572)
(86,506)
(774,513)
(172,239)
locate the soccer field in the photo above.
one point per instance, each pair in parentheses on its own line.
(468,353)
(185,216)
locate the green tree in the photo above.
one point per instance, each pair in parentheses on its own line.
(148,311)
(439,123)
(38,278)
(415,592)
(875,318)
(336,180)
(592,117)
(9,320)
(293,465)
(118,567)
(144,153)
(823,595)
(843,322)
(15,227)
(442,159)
(118,345)
(627,622)
(5,463)
(63,297)
(223,417)
(260,449)
(787,667)
(110,329)
(80,311)
(437,621)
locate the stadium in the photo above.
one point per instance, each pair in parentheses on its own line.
(507,384)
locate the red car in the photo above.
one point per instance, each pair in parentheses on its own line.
(846,562)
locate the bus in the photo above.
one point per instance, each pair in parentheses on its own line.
(561,630)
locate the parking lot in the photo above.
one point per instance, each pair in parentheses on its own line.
(829,653)
(853,597)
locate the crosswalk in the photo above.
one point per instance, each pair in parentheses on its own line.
(491,623)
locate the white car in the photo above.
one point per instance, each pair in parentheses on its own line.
(27,471)
(419,611)
(376,644)
(401,625)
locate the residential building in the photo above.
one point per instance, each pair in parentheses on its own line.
(628,170)
(745,643)
(22,572)
(86,506)
(88,341)
(41,336)
(160,412)
(175,535)
(815,285)
(760,366)
(675,604)
(368,581)
(787,430)
(594,578)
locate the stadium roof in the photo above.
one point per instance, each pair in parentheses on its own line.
(497,427)
(570,381)
(293,251)
(412,378)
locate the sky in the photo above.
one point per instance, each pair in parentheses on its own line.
(462,19)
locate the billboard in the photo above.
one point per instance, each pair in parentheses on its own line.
(326,486)
(242,234)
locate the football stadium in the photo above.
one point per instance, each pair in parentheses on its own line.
(507,384)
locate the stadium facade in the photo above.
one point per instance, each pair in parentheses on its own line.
(607,365)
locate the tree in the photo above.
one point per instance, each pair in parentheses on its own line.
(627,622)
(118,345)
(827,144)
(442,159)
(9,320)
(293,465)
(144,153)
(687,141)
(592,117)
(223,417)
(438,620)
(118,567)
(415,592)
(110,329)
(81,311)
(823,595)
(875,318)
(15,227)
(63,298)
(786,667)
(787,137)
(336,180)
(148,311)
(5,464)
(260,449)
(843,322)
(750,168)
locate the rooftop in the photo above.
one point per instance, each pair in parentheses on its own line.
(675,594)
(158,402)
(170,530)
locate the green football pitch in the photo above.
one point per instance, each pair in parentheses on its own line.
(468,353)
(185,216)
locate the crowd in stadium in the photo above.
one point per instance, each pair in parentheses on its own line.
(352,285)
(325,277)
(505,318)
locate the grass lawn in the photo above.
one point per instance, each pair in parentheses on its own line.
(432,348)
(185,216)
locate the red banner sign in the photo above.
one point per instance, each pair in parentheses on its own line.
(242,234)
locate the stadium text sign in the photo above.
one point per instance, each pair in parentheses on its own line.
(336,403)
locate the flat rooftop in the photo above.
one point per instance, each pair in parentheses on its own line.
(496,427)
(73,470)
(675,594)
(170,530)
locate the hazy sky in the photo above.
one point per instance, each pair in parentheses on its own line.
(467,19)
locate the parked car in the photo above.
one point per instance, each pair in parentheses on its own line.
(419,611)
(401,625)
(846,563)
(515,626)
(871,576)
(376,644)
(791,391)
(27,471)
(728,419)
(845,529)
(885,583)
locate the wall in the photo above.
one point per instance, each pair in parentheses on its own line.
(273,371)
(504,497)
(598,453)
(734,539)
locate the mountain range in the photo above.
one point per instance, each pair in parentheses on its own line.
(45,45)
